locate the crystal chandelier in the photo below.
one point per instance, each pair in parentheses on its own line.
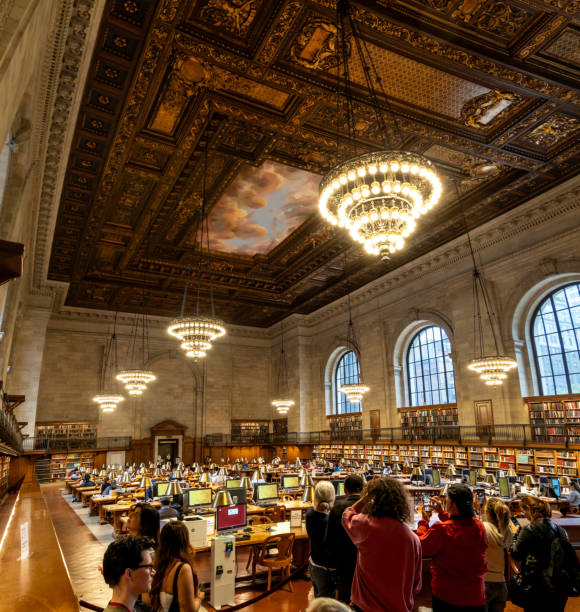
(136,377)
(354,391)
(377,196)
(282,403)
(198,332)
(106,398)
(492,369)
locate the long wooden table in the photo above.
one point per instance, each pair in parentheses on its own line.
(40,581)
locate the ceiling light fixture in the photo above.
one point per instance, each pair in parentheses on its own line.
(377,196)
(197,332)
(354,391)
(283,403)
(107,398)
(493,368)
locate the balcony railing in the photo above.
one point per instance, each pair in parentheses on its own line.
(490,435)
(76,444)
(9,428)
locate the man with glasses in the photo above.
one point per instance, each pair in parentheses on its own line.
(128,570)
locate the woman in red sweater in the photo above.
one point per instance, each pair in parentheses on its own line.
(457,546)
(388,567)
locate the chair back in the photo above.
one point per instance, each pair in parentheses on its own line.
(259,520)
(284,543)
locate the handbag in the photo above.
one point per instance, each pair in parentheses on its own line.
(520,594)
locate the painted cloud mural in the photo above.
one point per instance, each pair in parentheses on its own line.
(261,207)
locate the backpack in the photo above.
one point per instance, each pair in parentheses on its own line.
(562,575)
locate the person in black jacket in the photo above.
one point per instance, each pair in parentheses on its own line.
(531,547)
(340,546)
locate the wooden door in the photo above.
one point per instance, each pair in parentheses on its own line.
(483,417)
(375,420)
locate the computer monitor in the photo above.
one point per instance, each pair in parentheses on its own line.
(544,480)
(290,481)
(339,488)
(238,495)
(436,477)
(265,491)
(504,487)
(556,487)
(160,489)
(233,483)
(472,477)
(197,497)
(229,518)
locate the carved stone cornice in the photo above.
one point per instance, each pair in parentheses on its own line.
(63,80)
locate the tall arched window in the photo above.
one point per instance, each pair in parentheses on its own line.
(556,339)
(347,372)
(430,369)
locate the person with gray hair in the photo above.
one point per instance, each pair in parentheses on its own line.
(322,567)
(326,604)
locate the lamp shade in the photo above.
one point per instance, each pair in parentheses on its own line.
(145,482)
(126,478)
(366,467)
(222,498)
(198,469)
(529,481)
(174,488)
(490,479)
(102,474)
(302,472)
(396,468)
(511,472)
(95,472)
(112,474)
(481,473)
(205,477)
(306,481)
(308,496)
(356,464)
(450,472)
(298,462)
(156,473)
(177,475)
(417,471)
(223,472)
(142,470)
(212,466)
(245,482)
(565,481)
(256,476)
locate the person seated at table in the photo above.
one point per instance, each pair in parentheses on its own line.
(87,482)
(128,570)
(457,546)
(143,520)
(106,482)
(322,566)
(370,474)
(388,567)
(573,497)
(175,585)
(387,470)
(113,488)
(74,474)
(166,511)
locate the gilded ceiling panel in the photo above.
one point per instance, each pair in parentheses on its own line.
(566,47)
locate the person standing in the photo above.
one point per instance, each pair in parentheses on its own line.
(532,547)
(128,570)
(457,546)
(338,543)
(499,539)
(388,567)
(322,567)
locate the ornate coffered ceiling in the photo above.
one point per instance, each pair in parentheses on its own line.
(487,90)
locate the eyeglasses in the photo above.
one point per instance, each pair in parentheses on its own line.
(149,566)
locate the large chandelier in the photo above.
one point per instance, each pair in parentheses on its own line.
(492,368)
(377,196)
(197,332)
(107,398)
(354,393)
(282,403)
(136,381)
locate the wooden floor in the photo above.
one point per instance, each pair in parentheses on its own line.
(83,554)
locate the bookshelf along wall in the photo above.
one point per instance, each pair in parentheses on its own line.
(249,430)
(4,471)
(523,461)
(420,417)
(59,434)
(345,425)
(62,464)
(555,419)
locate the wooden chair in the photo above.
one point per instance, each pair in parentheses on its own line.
(282,559)
(276,514)
(286,497)
(258,519)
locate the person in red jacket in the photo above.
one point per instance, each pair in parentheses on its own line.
(457,546)
(388,568)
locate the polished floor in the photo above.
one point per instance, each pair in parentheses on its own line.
(83,549)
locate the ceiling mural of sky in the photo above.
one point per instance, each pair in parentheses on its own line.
(261,207)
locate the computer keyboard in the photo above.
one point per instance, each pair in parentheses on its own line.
(267,503)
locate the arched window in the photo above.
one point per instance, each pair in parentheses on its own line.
(347,372)
(556,340)
(430,369)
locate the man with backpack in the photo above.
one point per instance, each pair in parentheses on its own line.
(549,568)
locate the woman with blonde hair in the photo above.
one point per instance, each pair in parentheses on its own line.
(499,539)
(322,567)
(532,547)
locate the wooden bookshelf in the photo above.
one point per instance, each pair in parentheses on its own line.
(523,461)
(61,464)
(345,426)
(555,418)
(4,472)
(420,417)
(61,435)
(249,431)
